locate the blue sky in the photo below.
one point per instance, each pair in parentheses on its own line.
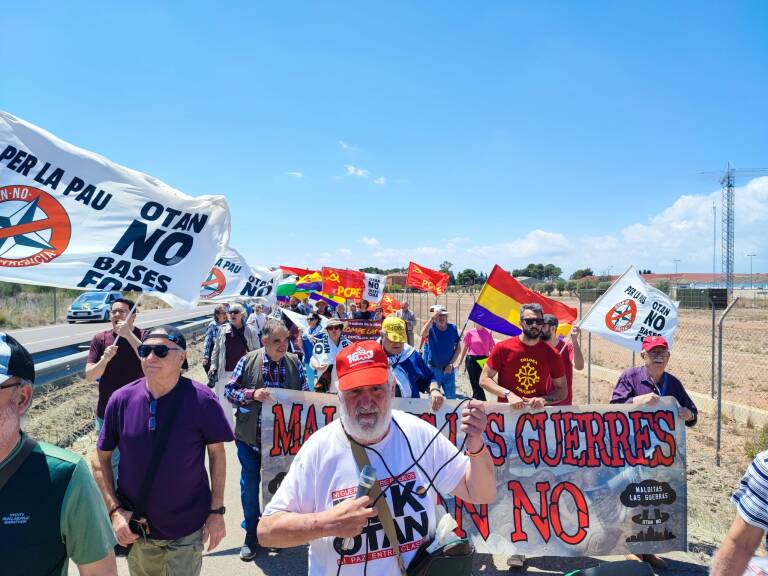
(358,134)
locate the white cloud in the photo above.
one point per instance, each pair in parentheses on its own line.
(295,174)
(356,171)
(681,231)
(368,241)
(345,146)
(345,251)
(380,181)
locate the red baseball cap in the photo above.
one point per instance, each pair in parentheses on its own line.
(362,364)
(651,342)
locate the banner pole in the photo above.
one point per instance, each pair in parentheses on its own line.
(589,368)
(135,304)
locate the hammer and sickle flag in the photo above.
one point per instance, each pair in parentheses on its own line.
(426,280)
(347,284)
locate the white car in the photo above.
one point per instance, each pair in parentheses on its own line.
(92,306)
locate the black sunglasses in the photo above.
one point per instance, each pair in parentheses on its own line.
(160,350)
(3,386)
(333,327)
(532,321)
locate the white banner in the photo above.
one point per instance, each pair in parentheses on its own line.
(262,283)
(73,219)
(630,310)
(571,480)
(226,278)
(374,287)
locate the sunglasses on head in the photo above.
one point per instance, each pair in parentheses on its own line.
(160,350)
(532,321)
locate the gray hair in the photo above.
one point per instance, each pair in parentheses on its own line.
(533,307)
(237,307)
(272,325)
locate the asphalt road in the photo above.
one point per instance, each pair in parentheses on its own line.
(59,335)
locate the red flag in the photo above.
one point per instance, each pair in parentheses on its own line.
(390,304)
(297,271)
(426,280)
(347,284)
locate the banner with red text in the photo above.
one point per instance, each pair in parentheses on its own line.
(571,481)
(347,284)
(357,329)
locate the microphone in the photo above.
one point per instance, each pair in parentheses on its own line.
(365,483)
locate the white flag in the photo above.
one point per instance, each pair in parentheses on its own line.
(374,287)
(227,277)
(262,283)
(73,219)
(630,310)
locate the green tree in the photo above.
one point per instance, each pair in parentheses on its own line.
(549,287)
(571,286)
(582,273)
(561,286)
(445,267)
(467,276)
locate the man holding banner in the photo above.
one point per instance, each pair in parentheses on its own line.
(525,365)
(316,501)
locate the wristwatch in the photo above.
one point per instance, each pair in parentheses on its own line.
(221,511)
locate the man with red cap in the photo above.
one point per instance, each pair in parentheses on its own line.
(317,504)
(644,385)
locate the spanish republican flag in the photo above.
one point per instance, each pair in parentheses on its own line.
(426,280)
(498,306)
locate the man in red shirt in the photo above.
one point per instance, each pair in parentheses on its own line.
(530,371)
(570,352)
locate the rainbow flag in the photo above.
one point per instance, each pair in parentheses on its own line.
(312,282)
(498,305)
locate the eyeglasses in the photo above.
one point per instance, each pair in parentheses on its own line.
(234,312)
(658,353)
(333,327)
(152,415)
(3,386)
(220,313)
(160,350)
(532,321)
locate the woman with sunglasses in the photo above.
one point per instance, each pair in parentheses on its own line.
(309,339)
(234,340)
(323,360)
(211,332)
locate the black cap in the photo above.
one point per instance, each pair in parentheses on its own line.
(15,360)
(170,333)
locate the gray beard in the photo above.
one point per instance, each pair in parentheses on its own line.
(365,433)
(9,424)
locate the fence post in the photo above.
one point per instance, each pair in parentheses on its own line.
(712,387)
(633,358)
(589,368)
(55,312)
(720,380)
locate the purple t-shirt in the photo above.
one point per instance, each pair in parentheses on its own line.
(180,496)
(125,367)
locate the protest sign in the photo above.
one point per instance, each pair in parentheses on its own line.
(73,219)
(630,310)
(226,278)
(357,330)
(571,481)
(262,283)
(374,287)
(426,280)
(347,284)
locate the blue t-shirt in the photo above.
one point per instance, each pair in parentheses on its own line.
(442,345)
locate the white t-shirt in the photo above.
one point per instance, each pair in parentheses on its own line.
(324,474)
